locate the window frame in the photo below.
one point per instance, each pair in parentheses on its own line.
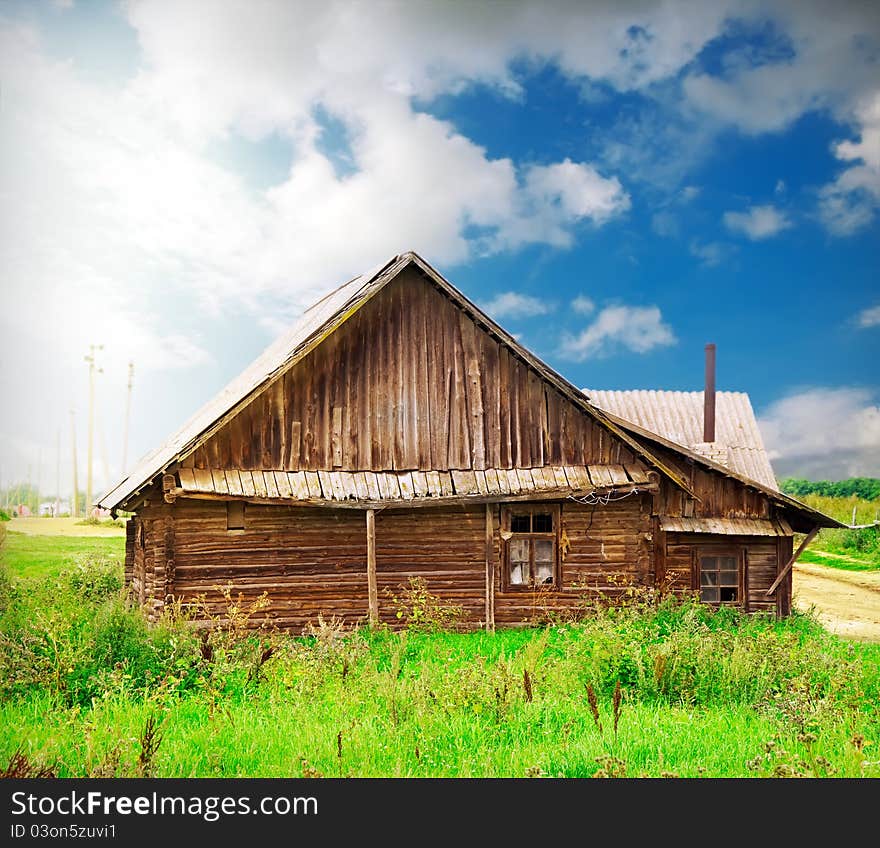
(737,552)
(508,511)
(239,507)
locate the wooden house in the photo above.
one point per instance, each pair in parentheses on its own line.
(397,431)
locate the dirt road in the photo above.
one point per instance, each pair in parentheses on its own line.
(846,602)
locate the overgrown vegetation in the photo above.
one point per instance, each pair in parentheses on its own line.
(652,687)
(866,488)
(857,550)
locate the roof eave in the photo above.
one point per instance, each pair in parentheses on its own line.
(820,519)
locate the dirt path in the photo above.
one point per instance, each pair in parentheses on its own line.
(846,602)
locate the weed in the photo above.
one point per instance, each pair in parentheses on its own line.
(20,766)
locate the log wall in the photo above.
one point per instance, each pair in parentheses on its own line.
(312,561)
(761,565)
(604,552)
(409,382)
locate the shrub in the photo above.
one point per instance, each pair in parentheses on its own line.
(418,609)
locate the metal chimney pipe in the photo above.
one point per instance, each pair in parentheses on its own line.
(709,396)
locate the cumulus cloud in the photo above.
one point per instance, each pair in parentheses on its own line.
(515,305)
(635,328)
(850,202)
(824,434)
(869,317)
(758,222)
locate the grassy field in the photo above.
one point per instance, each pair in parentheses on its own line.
(86,688)
(854,550)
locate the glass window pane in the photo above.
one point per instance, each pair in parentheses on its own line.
(708,563)
(543,572)
(519,550)
(709,595)
(520,523)
(708,578)
(728,595)
(543,550)
(542,523)
(517,573)
(727,563)
(728,578)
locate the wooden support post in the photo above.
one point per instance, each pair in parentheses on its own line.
(372,591)
(490,570)
(659,547)
(790,564)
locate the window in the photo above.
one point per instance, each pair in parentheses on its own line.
(530,546)
(720,578)
(235,515)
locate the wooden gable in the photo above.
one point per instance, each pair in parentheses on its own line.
(409,382)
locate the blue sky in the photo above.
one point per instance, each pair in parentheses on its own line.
(617,184)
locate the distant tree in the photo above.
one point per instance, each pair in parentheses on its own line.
(862,487)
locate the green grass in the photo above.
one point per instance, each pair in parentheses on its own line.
(841,561)
(32,557)
(855,550)
(702,693)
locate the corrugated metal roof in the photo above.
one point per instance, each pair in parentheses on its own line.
(316,324)
(386,487)
(728,526)
(678,417)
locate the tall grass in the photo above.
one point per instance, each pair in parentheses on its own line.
(87,688)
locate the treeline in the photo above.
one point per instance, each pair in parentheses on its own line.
(862,487)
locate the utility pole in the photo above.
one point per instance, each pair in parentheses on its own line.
(92,360)
(57,472)
(74,503)
(127,419)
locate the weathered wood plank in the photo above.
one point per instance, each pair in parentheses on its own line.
(187,478)
(372,481)
(326,485)
(617,474)
(313,481)
(298,485)
(360,479)
(636,473)
(247,483)
(405,481)
(219,479)
(420,484)
(432,478)
(372,588)
(282,484)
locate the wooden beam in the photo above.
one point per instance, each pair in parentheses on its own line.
(658,547)
(490,570)
(790,564)
(372,591)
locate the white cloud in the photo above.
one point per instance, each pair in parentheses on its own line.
(515,305)
(758,222)
(689,193)
(780,187)
(710,253)
(636,328)
(869,317)
(824,433)
(850,202)
(583,305)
